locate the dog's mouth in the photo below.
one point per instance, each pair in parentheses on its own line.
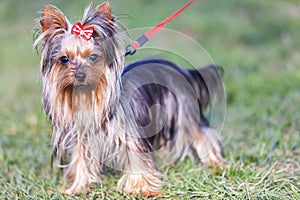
(82,86)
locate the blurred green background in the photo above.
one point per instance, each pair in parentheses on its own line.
(256,42)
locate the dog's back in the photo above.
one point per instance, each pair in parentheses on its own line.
(168,103)
(206,82)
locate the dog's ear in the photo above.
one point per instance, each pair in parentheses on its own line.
(104,10)
(53,19)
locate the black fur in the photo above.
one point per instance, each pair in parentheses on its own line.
(152,82)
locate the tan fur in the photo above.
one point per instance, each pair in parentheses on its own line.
(80,115)
(91,128)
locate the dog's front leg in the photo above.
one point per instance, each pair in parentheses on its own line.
(81,171)
(140,175)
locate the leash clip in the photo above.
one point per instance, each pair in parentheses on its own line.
(129,51)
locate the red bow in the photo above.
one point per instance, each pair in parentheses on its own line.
(85,33)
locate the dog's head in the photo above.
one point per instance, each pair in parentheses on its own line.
(79,62)
(82,55)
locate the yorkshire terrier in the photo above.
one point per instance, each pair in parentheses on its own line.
(127,118)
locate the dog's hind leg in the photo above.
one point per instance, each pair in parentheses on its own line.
(207,145)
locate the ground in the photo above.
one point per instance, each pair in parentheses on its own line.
(256,42)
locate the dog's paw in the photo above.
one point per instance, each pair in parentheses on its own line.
(147,185)
(208,147)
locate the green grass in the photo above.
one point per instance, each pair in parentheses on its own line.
(256,42)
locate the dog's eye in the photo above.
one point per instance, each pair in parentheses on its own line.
(64,60)
(94,58)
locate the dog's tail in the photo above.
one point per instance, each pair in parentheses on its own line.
(209,85)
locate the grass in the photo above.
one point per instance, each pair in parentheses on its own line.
(257,44)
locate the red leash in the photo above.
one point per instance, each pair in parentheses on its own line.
(149,34)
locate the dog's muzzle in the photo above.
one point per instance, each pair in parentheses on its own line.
(80,76)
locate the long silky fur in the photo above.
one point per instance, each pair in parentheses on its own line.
(103,126)
(95,134)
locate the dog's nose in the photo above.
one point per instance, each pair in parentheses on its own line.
(80,76)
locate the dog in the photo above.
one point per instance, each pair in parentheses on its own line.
(129,118)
